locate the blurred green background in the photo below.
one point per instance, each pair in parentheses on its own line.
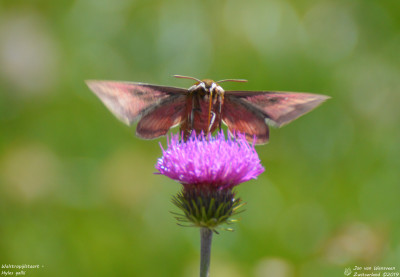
(77,189)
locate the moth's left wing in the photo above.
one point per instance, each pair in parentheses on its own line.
(244,118)
(279,108)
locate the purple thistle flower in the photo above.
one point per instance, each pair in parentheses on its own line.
(213,162)
(208,168)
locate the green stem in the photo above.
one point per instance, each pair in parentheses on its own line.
(205,237)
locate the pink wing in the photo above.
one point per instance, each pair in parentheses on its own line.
(242,117)
(279,108)
(130,101)
(158,119)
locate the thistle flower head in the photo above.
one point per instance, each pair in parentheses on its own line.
(208,168)
(214,162)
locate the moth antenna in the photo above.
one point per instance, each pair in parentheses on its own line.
(233,80)
(186,77)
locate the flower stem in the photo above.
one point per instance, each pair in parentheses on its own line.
(205,237)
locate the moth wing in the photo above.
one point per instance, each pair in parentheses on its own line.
(128,101)
(158,119)
(280,108)
(243,117)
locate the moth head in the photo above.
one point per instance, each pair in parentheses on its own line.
(208,86)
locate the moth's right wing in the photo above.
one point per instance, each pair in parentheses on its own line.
(130,101)
(158,119)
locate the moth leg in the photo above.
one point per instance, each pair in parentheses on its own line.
(209,111)
(221,103)
(213,115)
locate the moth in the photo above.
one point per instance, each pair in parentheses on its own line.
(202,107)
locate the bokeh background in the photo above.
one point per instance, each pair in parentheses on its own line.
(77,189)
